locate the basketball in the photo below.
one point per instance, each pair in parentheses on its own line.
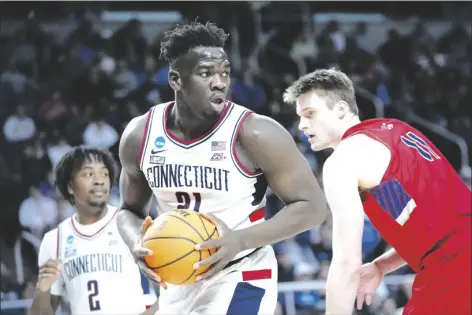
(172,238)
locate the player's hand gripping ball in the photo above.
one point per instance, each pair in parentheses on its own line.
(139,253)
(172,239)
(228,245)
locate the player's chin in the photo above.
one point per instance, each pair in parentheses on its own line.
(317,146)
(98,202)
(217,107)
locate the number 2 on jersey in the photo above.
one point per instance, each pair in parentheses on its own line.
(92,287)
(184,199)
(413,141)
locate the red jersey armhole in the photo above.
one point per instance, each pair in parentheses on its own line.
(235,140)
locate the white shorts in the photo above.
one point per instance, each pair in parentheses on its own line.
(248,287)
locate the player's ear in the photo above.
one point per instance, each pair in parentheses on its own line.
(341,108)
(175,80)
(69,189)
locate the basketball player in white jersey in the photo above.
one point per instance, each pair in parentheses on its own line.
(84,259)
(207,154)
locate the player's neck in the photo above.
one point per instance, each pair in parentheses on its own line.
(84,218)
(346,123)
(187,123)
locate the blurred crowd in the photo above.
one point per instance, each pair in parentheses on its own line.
(58,94)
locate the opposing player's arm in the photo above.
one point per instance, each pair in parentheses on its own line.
(272,149)
(340,181)
(134,189)
(389,261)
(49,288)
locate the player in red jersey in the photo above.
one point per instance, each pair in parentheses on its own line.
(409,191)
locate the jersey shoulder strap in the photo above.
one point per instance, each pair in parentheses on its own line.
(154,124)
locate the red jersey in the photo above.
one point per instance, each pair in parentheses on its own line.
(421,200)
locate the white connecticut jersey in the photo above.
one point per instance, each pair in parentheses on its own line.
(202,174)
(99,274)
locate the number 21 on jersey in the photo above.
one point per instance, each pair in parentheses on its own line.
(185,199)
(414,141)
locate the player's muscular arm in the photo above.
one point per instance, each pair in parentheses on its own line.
(272,149)
(134,190)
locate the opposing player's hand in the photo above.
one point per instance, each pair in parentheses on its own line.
(48,274)
(368,284)
(139,252)
(228,245)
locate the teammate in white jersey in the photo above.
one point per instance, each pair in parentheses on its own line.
(84,259)
(205,153)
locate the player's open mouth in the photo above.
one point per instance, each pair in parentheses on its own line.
(217,101)
(99,192)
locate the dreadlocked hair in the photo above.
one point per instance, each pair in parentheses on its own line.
(73,161)
(182,38)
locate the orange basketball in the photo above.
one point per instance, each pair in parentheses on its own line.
(172,238)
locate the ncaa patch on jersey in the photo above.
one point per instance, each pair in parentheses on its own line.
(70,239)
(218,157)
(160,142)
(159,160)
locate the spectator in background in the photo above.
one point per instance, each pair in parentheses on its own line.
(37,213)
(93,86)
(298,253)
(323,247)
(278,110)
(247,91)
(124,79)
(57,148)
(76,124)
(47,187)
(359,35)
(285,267)
(64,210)
(35,164)
(14,78)
(304,50)
(99,134)
(52,111)
(107,63)
(8,289)
(19,127)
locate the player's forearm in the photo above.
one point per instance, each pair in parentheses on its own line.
(129,225)
(389,261)
(290,221)
(41,304)
(341,288)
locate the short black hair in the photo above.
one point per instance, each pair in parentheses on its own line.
(333,83)
(73,160)
(182,38)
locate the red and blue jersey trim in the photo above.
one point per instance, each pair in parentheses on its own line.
(145,138)
(234,139)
